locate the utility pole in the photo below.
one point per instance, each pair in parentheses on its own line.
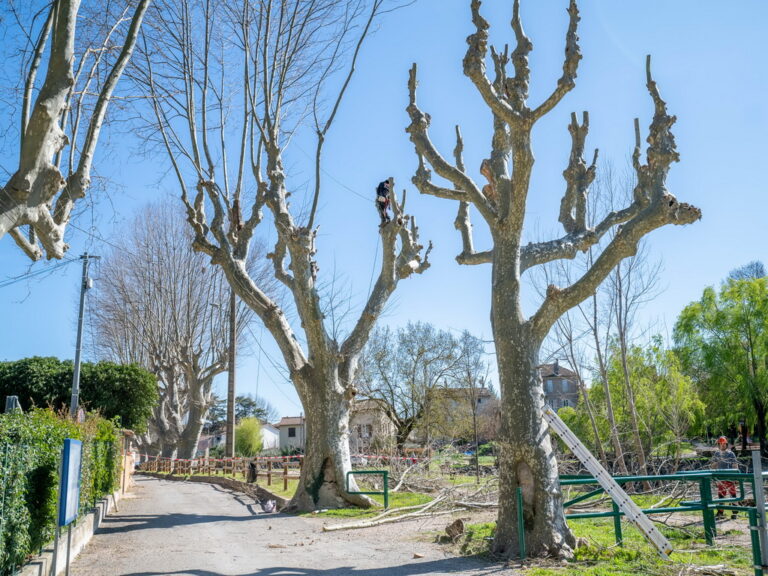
(229,448)
(84,286)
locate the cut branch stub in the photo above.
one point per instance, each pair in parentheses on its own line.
(475,70)
(578,177)
(567,81)
(572,50)
(662,151)
(517,87)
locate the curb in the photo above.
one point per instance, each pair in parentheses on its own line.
(82,532)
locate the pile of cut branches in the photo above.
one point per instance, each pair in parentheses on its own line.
(448,501)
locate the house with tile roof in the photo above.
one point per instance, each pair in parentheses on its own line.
(292,432)
(561,388)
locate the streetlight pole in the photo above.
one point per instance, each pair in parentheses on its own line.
(84,286)
(229,447)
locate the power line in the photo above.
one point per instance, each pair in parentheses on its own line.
(373,267)
(332,177)
(94,234)
(28,275)
(277,367)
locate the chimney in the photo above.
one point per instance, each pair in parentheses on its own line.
(556,368)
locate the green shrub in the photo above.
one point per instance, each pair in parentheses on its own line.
(248,438)
(127,392)
(488,449)
(30,453)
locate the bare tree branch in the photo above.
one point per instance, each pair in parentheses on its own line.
(567,81)
(420,138)
(27,197)
(658,208)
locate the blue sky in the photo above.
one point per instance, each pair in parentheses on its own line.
(708,61)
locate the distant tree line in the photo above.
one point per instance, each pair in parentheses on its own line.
(711,380)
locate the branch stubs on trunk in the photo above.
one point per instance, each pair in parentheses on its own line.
(527,456)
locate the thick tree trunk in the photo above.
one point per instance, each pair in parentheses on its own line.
(169,451)
(401,436)
(326,447)
(192,431)
(527,459)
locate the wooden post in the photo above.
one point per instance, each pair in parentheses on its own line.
(285,475)
(269,472)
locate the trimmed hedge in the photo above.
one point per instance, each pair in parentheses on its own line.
(127,392)
(30,453)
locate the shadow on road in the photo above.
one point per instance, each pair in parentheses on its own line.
(444,566)
(122,524)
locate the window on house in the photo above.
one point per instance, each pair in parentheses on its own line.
(291,432)
(359,428)
(367,430)
(566,403)
(550,386)
(566,385)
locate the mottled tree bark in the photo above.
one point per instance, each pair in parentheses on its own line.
(527,459)
(39,194)
(323,474)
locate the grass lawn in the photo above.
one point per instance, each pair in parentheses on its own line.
(602,557)
(396,500)
(277,487)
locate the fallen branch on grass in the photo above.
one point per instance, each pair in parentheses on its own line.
(481,505)
(717,570)
(380,519)
(405,473)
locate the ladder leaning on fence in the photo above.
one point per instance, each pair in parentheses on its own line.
(630,510)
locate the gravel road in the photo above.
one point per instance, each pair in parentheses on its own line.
(203,530)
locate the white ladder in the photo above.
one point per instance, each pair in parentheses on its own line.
(631,510)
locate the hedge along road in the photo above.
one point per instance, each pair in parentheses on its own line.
(203,530)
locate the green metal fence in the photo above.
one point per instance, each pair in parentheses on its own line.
(384,473)
(706,504)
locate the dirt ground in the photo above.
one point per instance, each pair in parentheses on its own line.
(203,530)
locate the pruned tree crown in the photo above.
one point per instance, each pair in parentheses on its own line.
(501,201)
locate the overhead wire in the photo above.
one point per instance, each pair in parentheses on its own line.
(279,369)
(356,193)
(21,277)
(332,177)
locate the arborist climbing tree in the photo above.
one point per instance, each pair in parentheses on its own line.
(382,199)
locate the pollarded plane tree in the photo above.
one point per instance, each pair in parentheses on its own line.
(527,459)
(230,83)
(163,306)
(71,62)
